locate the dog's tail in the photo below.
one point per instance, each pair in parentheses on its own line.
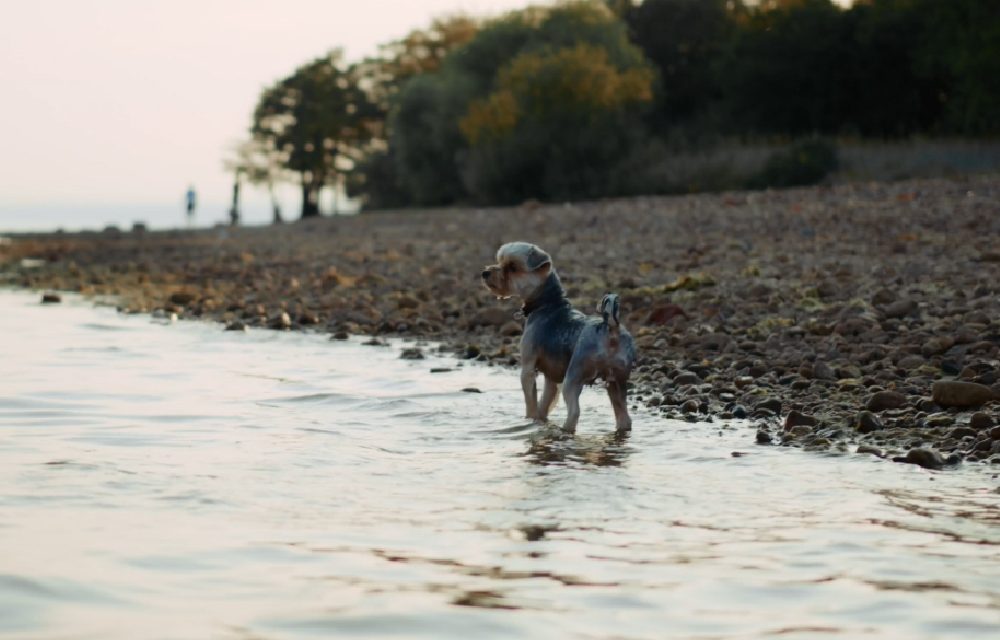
(610,310)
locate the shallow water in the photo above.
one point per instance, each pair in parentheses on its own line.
(178,481)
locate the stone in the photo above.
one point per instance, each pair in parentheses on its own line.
(690,406)
(763,437)
(686,377)
(411,353)
(51,298)
(796,418)
(771,404)
(511,328)
(882,400)
(236,325)
(980,420)
(956,393)
(823,371)
(909,362)
(926,458)
(899,309)
(866,422)
(181,297)
(739,411)
(492,316)
(867,448)
(280,322)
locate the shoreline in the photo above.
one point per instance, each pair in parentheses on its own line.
(824,315)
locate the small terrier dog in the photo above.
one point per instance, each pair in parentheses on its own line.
(564,344)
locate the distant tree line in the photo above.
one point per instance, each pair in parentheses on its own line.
(579,99)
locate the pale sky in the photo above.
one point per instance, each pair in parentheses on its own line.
(107,104)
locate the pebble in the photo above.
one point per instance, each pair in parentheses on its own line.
(51,298)
(957,393)
(411,353)
(867,422)
(882,400)
(926,458)
(796,418)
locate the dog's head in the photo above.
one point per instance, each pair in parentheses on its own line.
(520,270)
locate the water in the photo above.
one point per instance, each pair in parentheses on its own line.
(177,481)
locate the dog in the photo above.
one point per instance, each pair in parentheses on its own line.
(566,346)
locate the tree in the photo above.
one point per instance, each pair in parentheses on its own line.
(437,131)
(555,127)
(319,118)
(685,40)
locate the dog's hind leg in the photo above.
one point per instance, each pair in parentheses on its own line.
(572,386)
(619,402)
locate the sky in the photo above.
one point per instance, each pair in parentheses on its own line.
(111,108)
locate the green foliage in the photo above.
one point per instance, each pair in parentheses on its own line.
(685,40)
(540,103)
(804,163)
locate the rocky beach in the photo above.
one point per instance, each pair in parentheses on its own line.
(856,318)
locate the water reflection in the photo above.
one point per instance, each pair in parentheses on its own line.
(550,445)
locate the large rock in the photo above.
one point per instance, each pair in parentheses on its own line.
(882,400)
(926,458)
(491,316)
(956,393)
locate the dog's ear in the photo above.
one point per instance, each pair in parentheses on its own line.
(536,259)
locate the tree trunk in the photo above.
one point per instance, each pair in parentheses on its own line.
(310,199)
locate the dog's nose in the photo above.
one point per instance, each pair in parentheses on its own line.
(486,274)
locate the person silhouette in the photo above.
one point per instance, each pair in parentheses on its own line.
(191,200)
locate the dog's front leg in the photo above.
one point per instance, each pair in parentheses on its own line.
(530,390)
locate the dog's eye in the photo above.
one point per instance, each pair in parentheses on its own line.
(510,268)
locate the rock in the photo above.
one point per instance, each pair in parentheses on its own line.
(411,353)
(492,316)
(980,420)
(51,298)
(236,325)
(511,328)
(883,297)
(955,393)
(867,448)
(181,297)
(883,400)
(796,418)
(280,322)
(910,362)
(866,422)
(960,432)
(823,371)
(937,345)
(739,411)
(340,335)
(686,377)
(771,404)
(926,458)
(664,313)
(690,406)
(471,390)
(800,431)
(763,437)
(899,309)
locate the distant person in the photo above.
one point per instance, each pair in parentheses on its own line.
(234,211)
(191,200)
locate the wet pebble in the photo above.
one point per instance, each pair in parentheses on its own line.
(957,393)
(882,400)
